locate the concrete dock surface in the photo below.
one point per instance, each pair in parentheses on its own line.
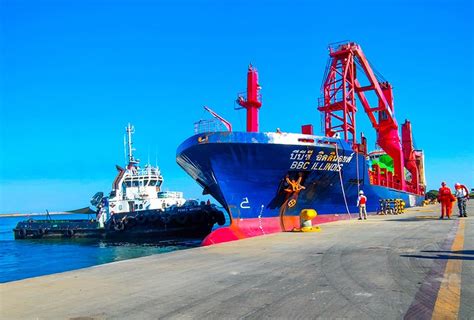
(411,266)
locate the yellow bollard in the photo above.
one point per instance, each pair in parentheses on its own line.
(306,215)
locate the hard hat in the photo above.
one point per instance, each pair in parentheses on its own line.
(457,184)
(361,192)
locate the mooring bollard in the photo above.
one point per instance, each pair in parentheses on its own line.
(306,225)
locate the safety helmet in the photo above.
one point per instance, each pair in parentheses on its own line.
(457,184)
(361,192)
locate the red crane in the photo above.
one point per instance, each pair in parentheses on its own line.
(341,87)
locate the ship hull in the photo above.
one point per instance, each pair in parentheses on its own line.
(264,180)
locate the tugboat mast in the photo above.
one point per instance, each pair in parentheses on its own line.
(131,160)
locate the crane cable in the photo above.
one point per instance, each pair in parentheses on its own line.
(342,185)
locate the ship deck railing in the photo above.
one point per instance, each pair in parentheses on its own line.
(208,125)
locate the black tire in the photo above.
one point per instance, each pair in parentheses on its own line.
(119,226)
(141,219)
(69,233)
(41,232)
(130,222)
(22,233)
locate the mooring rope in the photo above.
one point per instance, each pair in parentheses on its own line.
(342,185)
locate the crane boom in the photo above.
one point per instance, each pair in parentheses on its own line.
(340,89)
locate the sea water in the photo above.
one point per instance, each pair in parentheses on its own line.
(21,259)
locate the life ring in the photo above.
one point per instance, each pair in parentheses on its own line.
(141,218)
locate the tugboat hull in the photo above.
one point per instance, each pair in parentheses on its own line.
(182,222)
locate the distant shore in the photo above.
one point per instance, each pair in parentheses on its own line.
(9,215)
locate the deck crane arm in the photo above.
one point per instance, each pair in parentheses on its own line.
(340,89)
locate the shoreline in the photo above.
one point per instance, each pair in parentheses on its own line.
(11,215)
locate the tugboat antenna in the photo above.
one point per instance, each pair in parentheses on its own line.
(130,129)
(125,148)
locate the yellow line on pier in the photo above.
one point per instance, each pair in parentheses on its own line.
(449,295)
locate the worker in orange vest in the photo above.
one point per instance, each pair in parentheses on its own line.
(446,198)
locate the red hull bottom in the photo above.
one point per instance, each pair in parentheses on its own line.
(247,228)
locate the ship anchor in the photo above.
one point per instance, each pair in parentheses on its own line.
(294,188)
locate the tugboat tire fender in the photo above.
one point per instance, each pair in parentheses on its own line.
(130,221)
(119,226)
(22,233)
(141,218)
(69,233)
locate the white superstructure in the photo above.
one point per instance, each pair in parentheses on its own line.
(135,188)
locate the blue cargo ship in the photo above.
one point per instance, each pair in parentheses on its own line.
(265,179)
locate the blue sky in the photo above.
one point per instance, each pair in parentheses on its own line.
(73,73)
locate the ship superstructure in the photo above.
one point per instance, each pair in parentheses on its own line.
(136,188)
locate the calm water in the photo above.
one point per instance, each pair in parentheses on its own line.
(20,259)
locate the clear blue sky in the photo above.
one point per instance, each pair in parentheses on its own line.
(73,73)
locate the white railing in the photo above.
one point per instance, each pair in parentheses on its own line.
(208,125)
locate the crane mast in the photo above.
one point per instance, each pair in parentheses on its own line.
(341,87)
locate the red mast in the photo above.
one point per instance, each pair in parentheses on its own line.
(253,101)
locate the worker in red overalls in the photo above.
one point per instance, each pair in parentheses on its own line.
(446,198)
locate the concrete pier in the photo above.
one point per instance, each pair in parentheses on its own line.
(389,267)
